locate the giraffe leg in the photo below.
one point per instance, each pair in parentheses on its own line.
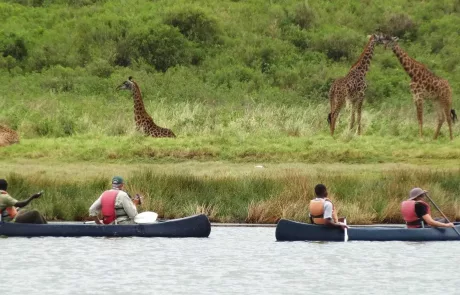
(352,117)
(359,106)
(441,119)
(419,105)
(335,115)
(448,117)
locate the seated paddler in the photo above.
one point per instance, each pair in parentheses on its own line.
(115,205)
(416,211)
(322,210)
(9,205)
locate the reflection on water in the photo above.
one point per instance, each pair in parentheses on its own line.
(231,261)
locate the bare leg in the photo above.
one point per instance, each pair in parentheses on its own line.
(32,216)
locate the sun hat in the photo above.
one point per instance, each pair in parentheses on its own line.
(416,192)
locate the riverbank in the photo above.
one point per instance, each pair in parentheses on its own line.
(235,193)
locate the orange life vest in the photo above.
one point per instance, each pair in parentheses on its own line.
(317,211)
(8,212)
(409,214)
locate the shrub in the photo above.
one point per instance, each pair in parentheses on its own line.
(304,16)
(100,68)
(14,46)
(195,25)
(163,47)
(400,25)
(337,43)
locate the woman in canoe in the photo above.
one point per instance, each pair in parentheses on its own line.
(115,205)
(417,213)
(8,206)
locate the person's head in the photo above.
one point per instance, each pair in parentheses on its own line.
(3,184)
(118,182)
(417,194)
(320,191)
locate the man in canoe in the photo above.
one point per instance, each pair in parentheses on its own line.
(417,213)
(8,206)
(115,205)
(322,210)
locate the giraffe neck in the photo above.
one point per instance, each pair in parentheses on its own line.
(412,67)
(139,108)
(363,63)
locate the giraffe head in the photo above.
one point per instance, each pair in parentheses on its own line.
(388,41)
(377,38)
(127,85)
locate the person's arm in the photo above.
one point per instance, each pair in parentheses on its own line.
(94,210)
(23,203)
(128,206)
(429,220)
(329,218)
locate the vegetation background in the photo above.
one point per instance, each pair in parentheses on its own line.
(239,82)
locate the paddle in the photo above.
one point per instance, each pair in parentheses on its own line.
(345,231)
(431,200)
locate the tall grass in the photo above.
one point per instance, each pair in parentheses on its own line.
(362,197)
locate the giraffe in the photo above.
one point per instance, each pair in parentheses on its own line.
(352,87)
(425,85)
(8,136)
(143,120)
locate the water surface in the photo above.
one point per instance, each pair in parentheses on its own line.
(230,261)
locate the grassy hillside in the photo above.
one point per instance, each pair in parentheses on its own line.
(212,67)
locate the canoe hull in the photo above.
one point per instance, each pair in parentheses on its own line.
(288,230)
(197,226)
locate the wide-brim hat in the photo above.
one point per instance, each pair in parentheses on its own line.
(416,192)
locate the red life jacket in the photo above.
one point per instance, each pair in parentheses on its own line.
(108,206)
(409,215)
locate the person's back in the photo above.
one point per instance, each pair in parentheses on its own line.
(115,205)
(322,210)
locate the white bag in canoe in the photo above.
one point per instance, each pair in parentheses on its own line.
(146,217)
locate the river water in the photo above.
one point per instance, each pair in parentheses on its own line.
(230,261)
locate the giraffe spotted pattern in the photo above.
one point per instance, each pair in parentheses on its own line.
(144,122)
(425,85)
(351,88)
(8,136)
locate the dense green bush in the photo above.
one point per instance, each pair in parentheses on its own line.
(338,43)
(14,46)
(162,46)
(400,25)
(195,25)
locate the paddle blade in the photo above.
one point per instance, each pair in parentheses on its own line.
(345,231)
(146,217)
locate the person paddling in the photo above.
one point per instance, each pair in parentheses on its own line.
(417,213)
(322,210)
(8,204)
(115,205)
